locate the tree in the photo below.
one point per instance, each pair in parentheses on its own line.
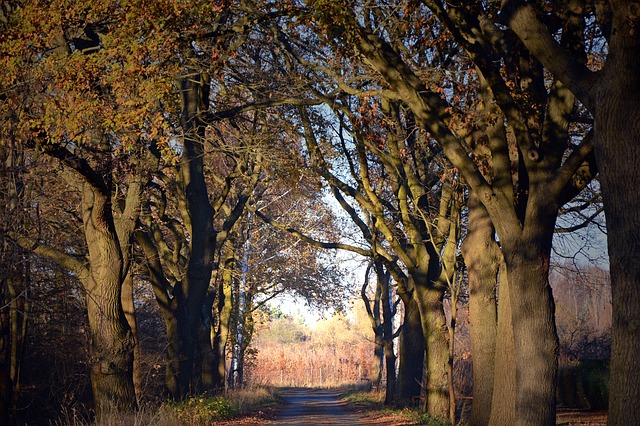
(399,207)
(381,313)
(192,224)
(74,95)
(610,93)
(271,261)
(533,170)
(15,275)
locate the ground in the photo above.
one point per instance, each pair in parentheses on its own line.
(306,406)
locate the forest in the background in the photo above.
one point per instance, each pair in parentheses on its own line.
(170,169)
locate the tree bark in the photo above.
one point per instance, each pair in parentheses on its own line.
(436,336)
(410,353)
(503,397)
(536,342)
(221,331)
(129,312)
(617,129)
(207,357)
(388,312)
(111,340)
(375,318)
(191,291)
(480,252)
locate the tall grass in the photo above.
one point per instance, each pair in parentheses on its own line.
(197,410)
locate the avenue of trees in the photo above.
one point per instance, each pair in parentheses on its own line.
(221,151)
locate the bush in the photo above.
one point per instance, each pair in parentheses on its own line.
(422,418)
(202,410)
(584,385)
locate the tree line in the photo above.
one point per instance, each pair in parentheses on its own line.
(449,134)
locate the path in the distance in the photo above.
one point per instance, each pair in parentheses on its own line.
(314,407)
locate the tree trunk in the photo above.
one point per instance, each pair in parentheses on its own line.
(390,363)
(221,332)
(172,369)
(480,252)
(111,341)
(436,335)
(536,340)
(375,318)
(388,312)
(111,349)
(503,397)
(191,291)
(130,313)
(618,154)
(410,353)
(377,362)
(207,357)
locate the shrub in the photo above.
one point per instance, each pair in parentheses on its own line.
(202,410)
(422,418)
(584,385)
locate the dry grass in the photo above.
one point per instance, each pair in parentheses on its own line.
(143,417)
(251,401)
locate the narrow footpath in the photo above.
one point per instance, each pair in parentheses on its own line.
(314,407)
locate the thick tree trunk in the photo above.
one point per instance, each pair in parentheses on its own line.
(191,291)
(410,353)
(617,128)
(172,369)
(111,342)
(390,363)
(111,349)
(480,252)
(536,341)
(436,335)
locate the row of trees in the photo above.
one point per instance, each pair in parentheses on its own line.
(171,121)
(114,113)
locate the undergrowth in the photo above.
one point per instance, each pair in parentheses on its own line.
(197,410)
(202,410)
(372,400)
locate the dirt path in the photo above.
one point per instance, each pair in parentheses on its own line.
(314,407)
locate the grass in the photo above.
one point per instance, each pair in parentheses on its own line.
(371,402)
(198,410)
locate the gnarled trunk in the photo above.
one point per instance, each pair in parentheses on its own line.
(111,348)
(111,342)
